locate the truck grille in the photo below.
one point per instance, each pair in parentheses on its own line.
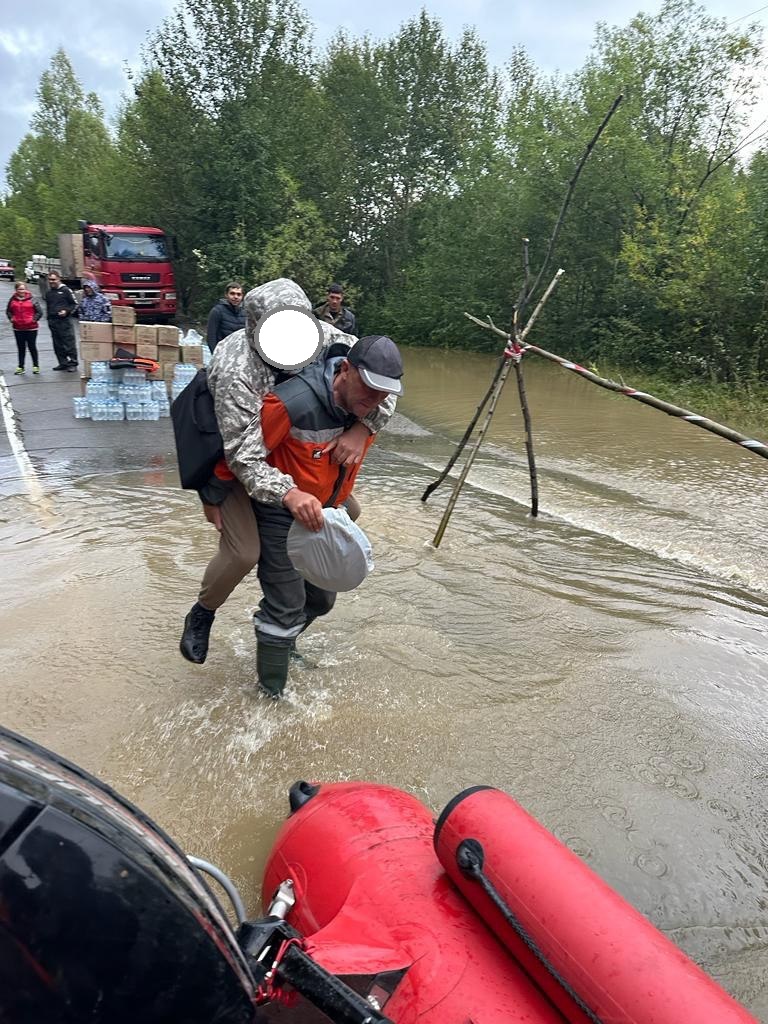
(142,297)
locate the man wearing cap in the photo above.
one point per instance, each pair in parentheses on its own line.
(333,312)
(298,418)
(238,378)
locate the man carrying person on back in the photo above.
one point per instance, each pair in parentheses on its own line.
(227,316)
(60,305)
(298,418)
(239,378)
(333,312)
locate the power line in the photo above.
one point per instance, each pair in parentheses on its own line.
(750,15)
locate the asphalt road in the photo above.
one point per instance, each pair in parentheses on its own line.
(39,434)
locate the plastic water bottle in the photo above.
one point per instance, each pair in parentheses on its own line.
(100,371)
(81,409)
(115,410)
(96,389)
(133,412)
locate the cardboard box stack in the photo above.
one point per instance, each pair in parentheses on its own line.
(178,362)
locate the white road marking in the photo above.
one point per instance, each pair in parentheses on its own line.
(28,471)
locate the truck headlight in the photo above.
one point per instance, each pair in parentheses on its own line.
(112,296)
(170,296)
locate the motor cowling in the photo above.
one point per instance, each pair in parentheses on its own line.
(101,917)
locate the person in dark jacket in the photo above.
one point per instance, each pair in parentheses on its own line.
(298,419)
(94,307)
(60,306)
(332,311)
(227,316)
(23,311)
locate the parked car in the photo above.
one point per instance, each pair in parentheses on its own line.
(7,270)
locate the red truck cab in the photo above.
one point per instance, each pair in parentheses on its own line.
(132,266)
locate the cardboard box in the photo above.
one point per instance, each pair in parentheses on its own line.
(91,332)
(125,315)
(168,335)
(71,256)
(146,335)
(123,335)
(191,354)
(146,349)
(92,352)
(168,370)
(168,353)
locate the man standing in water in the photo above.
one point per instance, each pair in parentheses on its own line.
(239,378)
(298,419)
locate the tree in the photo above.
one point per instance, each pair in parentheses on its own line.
(56,174)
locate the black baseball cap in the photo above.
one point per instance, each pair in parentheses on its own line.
(335,289)
(378,360)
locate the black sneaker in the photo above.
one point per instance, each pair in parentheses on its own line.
(197,630)
(65,367)
(71,369)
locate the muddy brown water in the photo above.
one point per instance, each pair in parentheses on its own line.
(607,664)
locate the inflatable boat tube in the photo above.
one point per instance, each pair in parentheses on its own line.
(604,953)
(430,941)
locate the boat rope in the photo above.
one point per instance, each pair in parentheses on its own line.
(470,858)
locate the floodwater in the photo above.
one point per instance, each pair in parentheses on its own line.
(606,663)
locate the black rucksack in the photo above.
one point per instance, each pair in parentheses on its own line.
(198,441)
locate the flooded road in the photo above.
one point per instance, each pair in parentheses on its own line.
(606,664)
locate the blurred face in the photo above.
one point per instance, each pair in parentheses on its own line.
(334,301)
(235,296)
(21,288)
(87,289)
(352,393)
(53,279)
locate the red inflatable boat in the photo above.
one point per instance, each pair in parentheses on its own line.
(483,916)
(378,915)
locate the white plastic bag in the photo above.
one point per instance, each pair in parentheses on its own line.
(337,558)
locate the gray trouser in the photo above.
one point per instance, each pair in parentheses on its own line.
(239,547)
(289,603)
(238,552)
(63,337)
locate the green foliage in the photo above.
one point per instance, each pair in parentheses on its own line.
(411,170)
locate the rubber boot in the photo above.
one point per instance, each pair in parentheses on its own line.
(197,630)
(296,656)
(272,668)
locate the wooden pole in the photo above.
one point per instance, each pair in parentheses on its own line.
(750,444)
(528,438)
(489,325)
(508,362)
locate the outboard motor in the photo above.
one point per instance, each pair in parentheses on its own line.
(103,919)
(101,916)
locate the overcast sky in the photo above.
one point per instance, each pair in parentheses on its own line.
(101,39)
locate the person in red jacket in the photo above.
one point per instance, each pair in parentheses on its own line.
(24,312)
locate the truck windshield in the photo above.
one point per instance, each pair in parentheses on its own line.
(136,247)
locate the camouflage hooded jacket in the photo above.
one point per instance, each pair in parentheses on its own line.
(239,378)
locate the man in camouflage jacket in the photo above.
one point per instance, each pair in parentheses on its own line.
(238,379)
